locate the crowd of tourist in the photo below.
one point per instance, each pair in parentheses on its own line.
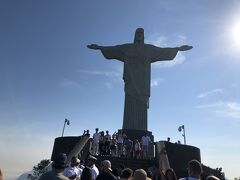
(119,145)
(80,170)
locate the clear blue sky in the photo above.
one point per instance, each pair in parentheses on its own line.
(47,74)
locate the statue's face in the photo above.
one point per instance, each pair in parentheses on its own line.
(139,35)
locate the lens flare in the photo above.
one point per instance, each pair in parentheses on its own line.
(236,34)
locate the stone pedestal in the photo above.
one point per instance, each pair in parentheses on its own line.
(176,156)
(138,134)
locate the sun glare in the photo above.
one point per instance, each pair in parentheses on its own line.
(236,33)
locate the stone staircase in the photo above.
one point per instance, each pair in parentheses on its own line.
(130,163)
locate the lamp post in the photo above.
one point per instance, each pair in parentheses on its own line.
(68,123)
(180,128)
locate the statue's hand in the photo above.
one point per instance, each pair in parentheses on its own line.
(93,46)
(185,48)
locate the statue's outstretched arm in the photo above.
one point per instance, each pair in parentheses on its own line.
(184,48)
(94,46)
(109,52)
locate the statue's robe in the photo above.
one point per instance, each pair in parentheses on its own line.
(137,59)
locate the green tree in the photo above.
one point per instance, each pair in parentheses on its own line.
(39,169)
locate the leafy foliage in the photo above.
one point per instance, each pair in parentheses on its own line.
(39,169)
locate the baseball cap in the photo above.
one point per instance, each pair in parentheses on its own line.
(107,164)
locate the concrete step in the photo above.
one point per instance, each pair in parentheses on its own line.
(127,162)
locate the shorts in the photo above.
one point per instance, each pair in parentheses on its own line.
(145,148)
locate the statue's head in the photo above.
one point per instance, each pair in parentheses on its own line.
(139,36)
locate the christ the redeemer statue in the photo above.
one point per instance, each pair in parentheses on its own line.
(137,58)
